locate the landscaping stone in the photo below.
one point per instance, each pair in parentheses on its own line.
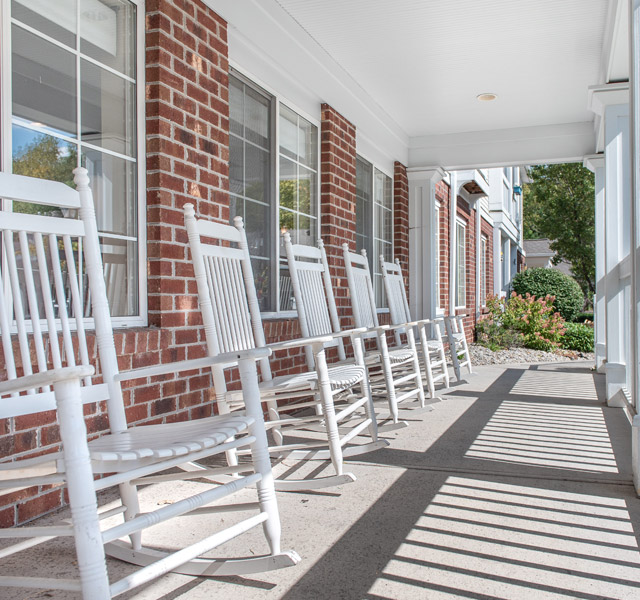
(483,356)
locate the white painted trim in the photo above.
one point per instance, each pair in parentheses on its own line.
(464,225)
(563,142)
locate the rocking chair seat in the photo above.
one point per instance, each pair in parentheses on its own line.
(165,440)
(341,377)
(395,356)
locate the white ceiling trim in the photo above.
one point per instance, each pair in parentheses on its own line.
(568,142)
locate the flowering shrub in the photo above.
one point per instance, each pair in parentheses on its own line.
(519,320)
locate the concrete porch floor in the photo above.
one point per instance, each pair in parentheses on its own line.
(517,485)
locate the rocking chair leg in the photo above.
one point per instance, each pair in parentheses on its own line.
(328,408)
(129,495)
(388,377)
(82,496)
(261,460)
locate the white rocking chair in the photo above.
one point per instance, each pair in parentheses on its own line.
(232,322)
(399,364)
(318,315)
(45,345)
(460,356)
(431,348)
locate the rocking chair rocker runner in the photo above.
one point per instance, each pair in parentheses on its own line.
(431,348)
(51,364)
(232,322)
(399,364)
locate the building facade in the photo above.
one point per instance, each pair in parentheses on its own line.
(168,102)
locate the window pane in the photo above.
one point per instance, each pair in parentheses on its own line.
(256,114)
(262,279)
(107,33)
(288,132)
(307,144)
(236,166)
(108,110)
(307,188)
(43,82)
(113,182)
(120,262)
(288,184)
(306,233)
(256,173)
(364,209)
(258,236)
(236,106)
(55,19)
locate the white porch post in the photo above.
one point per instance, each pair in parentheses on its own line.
(611,103)
(595,163)
(497,263)
(423,254)
(634,78)
(453,242)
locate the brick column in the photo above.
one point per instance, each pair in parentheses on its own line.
(338,199)
(401,218)
(187,120)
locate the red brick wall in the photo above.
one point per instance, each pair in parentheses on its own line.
(338,199)
(442,196)
(401,218)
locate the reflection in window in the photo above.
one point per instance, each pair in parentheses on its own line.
(56,126)
(374,221)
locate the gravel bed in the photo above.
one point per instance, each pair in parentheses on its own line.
(483,356)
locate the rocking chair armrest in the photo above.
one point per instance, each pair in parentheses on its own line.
(195,363)
(298,342)
(45,378)
(356,331)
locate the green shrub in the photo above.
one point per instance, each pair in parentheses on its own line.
(519,321)
(578,336)
(541,282)
(584,316)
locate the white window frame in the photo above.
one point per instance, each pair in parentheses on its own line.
(276,100)
(374,261)
(461,224)
(6,158)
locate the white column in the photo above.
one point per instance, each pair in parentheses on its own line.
(611,103)
(423,267)
(595,163)
(497,262)
(634,79)
(453,242)
(479,292)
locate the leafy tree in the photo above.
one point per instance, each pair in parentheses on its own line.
(559,205)
(46,159)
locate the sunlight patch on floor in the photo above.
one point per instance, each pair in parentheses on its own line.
(547,435)
(556,385)
(480,539)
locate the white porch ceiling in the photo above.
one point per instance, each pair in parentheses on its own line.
(418,65)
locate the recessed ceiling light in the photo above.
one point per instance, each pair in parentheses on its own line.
(486,97)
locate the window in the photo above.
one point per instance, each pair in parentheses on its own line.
(461,264)
(484,259)
(75,100)
(256,119)
(374,221)
(437,269)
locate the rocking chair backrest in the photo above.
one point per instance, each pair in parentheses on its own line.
(42,299)
(361,289)
(312,290)
(226,291)
(396,294)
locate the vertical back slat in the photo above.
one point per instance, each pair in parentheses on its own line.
(62,300)
(18,310)
(243,306)
(47,300)
(5,330)
(34,312)
(76,303)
